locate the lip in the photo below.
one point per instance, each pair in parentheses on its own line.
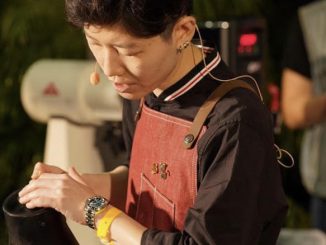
(121,87)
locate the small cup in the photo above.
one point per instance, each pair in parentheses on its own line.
(37,226)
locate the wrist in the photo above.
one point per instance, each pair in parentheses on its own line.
(99,215)
(94,205)
(100,183)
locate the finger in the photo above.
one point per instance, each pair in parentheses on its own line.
(35,193)
(44,181)
(39,198)
(27,197)
(35,203)
(72,172)
(41,168)
(52,176)
(36,171)
(27,189)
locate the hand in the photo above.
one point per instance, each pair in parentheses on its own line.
(65,192)
(41,168)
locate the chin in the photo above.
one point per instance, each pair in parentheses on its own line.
(131,96)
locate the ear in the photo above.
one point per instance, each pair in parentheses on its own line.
(184,30)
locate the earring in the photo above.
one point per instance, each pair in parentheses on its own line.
(94,78)
(183,46)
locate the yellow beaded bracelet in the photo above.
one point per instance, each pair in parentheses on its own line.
(104,224)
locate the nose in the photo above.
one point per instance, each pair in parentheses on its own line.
(112,65)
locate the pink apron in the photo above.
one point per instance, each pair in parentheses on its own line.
(162,182)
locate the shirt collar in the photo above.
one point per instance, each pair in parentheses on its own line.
(190,79)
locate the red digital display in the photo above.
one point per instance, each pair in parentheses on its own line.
(248,43)
(249,39)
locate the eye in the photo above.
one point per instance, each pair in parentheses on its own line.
(131,53)
(94,44)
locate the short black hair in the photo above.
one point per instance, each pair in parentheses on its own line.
(141,18)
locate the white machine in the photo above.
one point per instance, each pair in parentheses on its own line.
(58,92)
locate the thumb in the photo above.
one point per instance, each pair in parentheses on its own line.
(41,168)
(72,172)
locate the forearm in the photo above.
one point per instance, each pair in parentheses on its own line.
(125,230)
(119,183)
(315,110)
(111,185)
(305,112)
(301,107)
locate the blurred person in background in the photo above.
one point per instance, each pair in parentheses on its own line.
(304,100)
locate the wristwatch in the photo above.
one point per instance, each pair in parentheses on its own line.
(92,206)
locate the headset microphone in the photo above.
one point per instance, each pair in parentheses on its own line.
(94,78)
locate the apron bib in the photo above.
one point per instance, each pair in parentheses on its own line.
(161,171)
(162,182)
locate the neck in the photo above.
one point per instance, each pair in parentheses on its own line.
(189,58)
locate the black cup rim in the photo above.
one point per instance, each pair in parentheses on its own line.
(10,197)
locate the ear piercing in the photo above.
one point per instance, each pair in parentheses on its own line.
(183,46)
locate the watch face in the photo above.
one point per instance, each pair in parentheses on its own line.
(96,202)
(93,205)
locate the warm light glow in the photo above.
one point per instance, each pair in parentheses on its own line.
(248,39)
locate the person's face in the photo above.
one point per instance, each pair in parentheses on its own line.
(136,66)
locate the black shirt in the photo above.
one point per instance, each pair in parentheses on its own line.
(295,52)
(240,199)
